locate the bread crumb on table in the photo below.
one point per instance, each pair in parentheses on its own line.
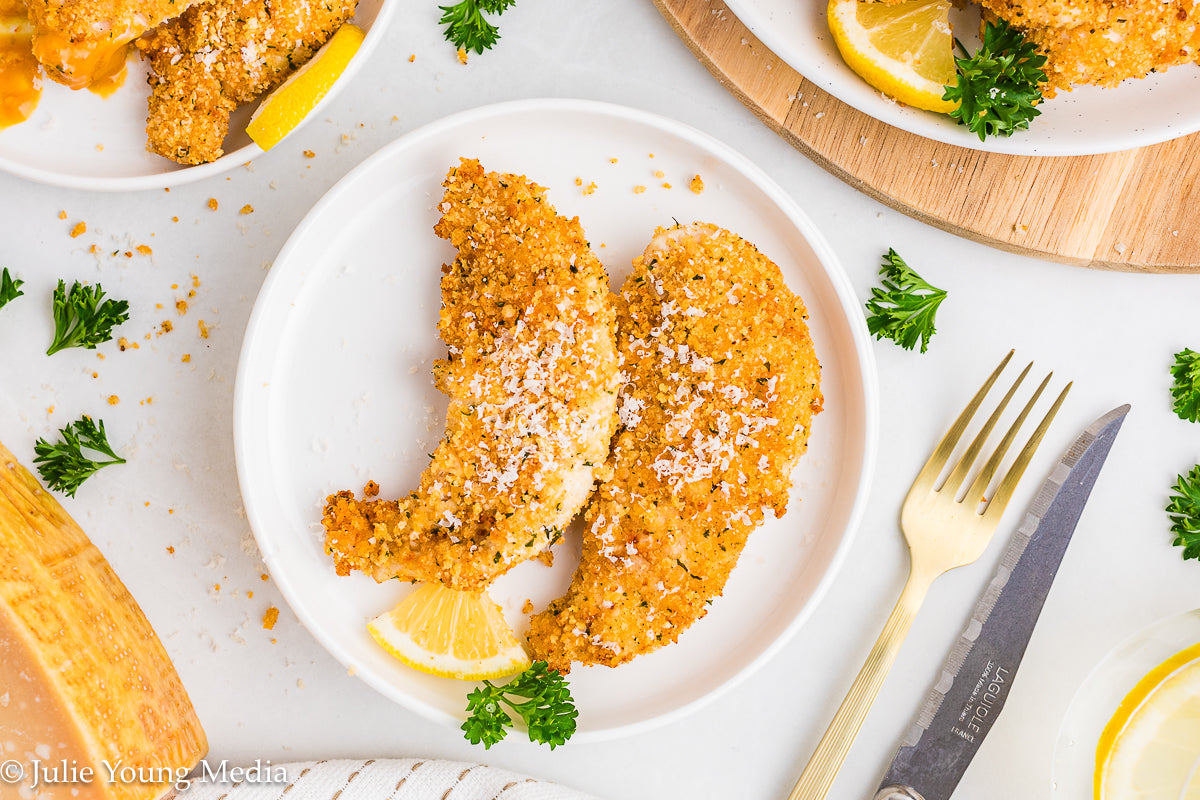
(270,618)
(79,229)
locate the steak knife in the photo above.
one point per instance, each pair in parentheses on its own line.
(978,672)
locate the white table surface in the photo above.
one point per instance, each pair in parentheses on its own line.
(277,695)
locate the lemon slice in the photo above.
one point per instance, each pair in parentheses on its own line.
(905,50)
(451,634)
(1150,749)
(288,105)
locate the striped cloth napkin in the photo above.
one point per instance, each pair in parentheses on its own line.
(374,779)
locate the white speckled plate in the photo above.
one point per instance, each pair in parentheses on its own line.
(1085,121)
(334,386)
(80,140)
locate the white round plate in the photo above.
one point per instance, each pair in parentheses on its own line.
(1103,690)
(334,386)
(80,140)
(1084,121)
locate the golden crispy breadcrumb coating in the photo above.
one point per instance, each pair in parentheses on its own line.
(722,386)
(79,41)
(221,54)
(1104,42)
(531,373)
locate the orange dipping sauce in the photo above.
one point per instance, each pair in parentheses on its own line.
(20,73)
(97,66)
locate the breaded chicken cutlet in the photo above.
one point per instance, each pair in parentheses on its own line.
(81,41)
(1103,42)
(531,373)
(722,386)
(221,54)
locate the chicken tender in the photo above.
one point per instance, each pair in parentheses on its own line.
(531,372)
(723,384)
(221,54)
(84,41)
(1103,42)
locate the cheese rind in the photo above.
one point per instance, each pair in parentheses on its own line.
(90,657)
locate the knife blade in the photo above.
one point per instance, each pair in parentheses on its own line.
(978,673)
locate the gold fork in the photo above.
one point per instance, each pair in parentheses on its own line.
(945,528)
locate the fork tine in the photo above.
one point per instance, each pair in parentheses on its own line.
(956,478)
(980,484)
(1009,483)
(941,454)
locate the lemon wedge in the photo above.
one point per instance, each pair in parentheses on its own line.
(289,104)
(905,50)
(451,634)
(1150,749)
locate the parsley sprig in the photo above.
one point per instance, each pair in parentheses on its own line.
(466,26)
(64,466)
(82,318)
(544,703)
(1183,508)
(998,87)
(903,309)
(1186,390)
(10,288)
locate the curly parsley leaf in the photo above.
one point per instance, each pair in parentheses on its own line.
(903,309)
(10,288)
(64,466)
(1183,508)
(466,26)
(83,318)
(1186,390)
(542,700)
(486,719)
(998,87)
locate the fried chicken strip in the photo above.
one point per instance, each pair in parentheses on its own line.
(723,384)
(531,373)
(1104,42)
(83,41)
(221,54)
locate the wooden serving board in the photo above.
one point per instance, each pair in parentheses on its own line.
(1133,210)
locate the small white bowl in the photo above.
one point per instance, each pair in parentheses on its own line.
(79,140)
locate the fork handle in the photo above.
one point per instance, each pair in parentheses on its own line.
(825,762)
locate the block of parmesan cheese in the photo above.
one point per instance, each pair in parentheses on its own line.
(88,694)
